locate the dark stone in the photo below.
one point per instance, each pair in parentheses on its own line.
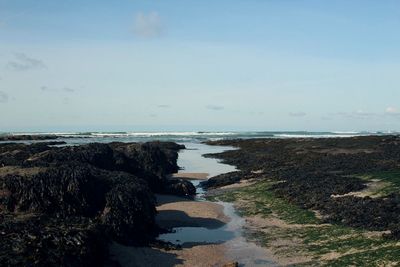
(45,241)
(311,170)
(129,213)
(180,187)
(60,206)
(25,137)
(227,179)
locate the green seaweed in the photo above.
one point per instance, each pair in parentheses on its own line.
(354,247)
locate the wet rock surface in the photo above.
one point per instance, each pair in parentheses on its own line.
(310,171)
(27,137)
(37,240)
(180,187)
(227,179)
(61,206)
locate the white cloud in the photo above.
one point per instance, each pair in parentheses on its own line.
(148,25)
(392,111)
(362,113)
(22,63)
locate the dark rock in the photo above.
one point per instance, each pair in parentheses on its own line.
(69,189)
(227,179)
(311,170)
(180,187)
(60,206)
(129,213)
(44,241)
(25,137)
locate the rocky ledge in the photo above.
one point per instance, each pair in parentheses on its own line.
(62,206)
(320,174)
(27,137)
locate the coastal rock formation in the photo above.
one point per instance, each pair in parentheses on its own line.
(60,206)
(39,240)
(227,179)
(309,172)
(180,187)
(27,137)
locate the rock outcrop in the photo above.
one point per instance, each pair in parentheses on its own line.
(310,171)
(60,206)
(27,137)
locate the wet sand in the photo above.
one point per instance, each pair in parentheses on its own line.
(191,175)
(175,212)
(179,212)
(200,255)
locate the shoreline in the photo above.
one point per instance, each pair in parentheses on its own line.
(306,201)
(318,201)
(294,236)
(64,205)
(176,212)
(191,175)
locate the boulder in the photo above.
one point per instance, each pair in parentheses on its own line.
(180,187)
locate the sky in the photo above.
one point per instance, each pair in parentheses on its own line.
(183,65)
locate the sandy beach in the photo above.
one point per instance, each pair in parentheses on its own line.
(179,212)
(191,175)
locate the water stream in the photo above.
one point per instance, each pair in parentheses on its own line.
(231,234)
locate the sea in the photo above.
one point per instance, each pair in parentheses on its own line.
(188,137)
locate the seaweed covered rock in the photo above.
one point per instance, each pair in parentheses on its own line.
(228,179)
(129,212)
(123,201)
(95,154)
(394,231)
(45,241)
(148,161)
(13,154)
(69,189)
(152,157)
(317,173)
(27,137)
(372,213)
(180,187)
(60,206)
(313,190)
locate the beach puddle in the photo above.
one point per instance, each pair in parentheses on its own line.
(197,235)
(230,234)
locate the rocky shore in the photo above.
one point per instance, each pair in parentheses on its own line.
(321,174)
(174,212)
(27,137)
(64,206)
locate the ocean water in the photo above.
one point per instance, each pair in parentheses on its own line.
(188,137)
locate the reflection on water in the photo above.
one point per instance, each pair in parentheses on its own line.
(231,234)
(191,159)
(229,231)
(185,235)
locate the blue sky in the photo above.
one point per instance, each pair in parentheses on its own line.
(199,65)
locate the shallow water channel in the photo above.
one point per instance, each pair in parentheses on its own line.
(231,234)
